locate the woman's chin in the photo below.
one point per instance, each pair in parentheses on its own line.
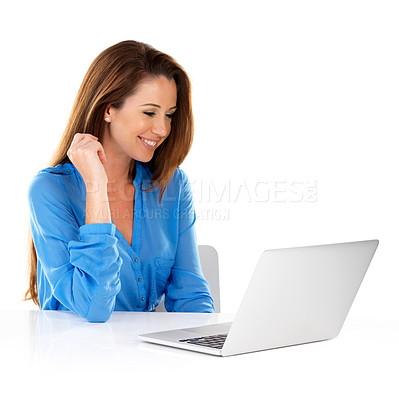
(143,158)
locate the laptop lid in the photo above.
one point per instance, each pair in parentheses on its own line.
(299,295)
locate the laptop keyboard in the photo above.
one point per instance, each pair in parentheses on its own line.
(214,341)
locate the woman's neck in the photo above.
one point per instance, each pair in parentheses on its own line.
(118,163)
(117,171)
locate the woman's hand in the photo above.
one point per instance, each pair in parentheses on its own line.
(88,156)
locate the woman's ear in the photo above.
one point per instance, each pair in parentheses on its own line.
(108,113)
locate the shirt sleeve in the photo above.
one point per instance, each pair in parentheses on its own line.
(187,290)
(80,263)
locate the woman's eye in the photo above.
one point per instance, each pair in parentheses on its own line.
(151,114)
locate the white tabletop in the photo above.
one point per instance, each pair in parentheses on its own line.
(53,354)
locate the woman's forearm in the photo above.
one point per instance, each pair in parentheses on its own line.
(97,205)
(88,157)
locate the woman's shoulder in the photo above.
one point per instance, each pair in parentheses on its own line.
(53,180)
(179,186)
(56,172)
(180,177)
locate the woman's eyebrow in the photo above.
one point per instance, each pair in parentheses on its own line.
(156,105)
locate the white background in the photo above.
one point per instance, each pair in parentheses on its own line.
(296,113)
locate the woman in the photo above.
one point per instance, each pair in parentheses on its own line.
(112,219)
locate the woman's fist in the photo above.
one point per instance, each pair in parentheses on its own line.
(88,156)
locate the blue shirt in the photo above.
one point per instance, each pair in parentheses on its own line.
(91,269)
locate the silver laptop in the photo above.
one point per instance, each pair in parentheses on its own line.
(296,295)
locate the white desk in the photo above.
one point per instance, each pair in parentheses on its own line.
(52,354)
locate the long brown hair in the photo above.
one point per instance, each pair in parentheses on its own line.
(114,75)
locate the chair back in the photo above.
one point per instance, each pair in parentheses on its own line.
(210,268)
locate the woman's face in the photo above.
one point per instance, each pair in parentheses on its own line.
(143,122)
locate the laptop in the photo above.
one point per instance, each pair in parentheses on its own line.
(296,295)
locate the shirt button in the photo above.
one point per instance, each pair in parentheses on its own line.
(139,279)
(142,298)
(69,170)
(135,259)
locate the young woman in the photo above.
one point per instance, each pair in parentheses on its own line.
(112,219)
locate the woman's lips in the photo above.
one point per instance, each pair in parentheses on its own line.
(148,143)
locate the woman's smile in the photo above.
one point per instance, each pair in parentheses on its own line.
(148,144)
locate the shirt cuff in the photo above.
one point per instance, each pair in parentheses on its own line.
(97,229)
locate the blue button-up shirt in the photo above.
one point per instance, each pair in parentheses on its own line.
(91,269)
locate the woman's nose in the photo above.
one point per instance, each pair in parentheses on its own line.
(160,127)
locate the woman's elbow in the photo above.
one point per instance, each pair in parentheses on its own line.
(100,319)
(100,311)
